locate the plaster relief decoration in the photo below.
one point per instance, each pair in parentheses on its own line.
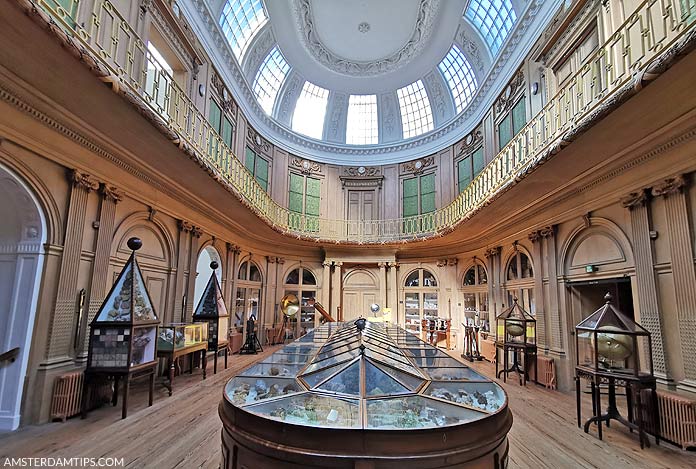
(389,113)
(305,166)
(418,166)
(311,41)
(257,141)
(258,51)
(228,102)
(340,102)
(361,171)
(437,98)
(292,92)
(471,142)
(470,48)
(509,96)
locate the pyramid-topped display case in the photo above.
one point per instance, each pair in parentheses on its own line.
(364,389)
(516,326)
(123,335)
(609,341)
(212,310)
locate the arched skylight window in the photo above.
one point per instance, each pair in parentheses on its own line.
(460,77)
(310,109)
(269,78)
(494,19)
(362,127)
(240,20)
(416,115)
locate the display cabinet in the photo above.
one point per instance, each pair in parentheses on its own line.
(425,404)
(178,335)
(123,334)
(614,351)
(212,311)
(516,338)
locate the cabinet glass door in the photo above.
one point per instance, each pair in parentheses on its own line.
(430,305)
(412,308)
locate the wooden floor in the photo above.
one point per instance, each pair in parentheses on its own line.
(184,431)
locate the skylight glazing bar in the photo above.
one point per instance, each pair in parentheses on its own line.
(416,114)
(269,79)
(494,19)
(362,127)
(310,111)
(240,21)
(459,76)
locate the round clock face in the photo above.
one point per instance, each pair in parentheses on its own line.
(305,164)
(361,170)
(469,139)
(258,140)
(419,164)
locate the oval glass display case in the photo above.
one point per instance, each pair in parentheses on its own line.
(363,395)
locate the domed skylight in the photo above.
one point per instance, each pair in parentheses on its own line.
(349,77)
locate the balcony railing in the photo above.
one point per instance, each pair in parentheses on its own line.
(124,61)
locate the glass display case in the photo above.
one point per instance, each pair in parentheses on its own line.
(608,341)
(516,326)
(380,377)
(123,334)
(178,335)
(212,311)
(412,309)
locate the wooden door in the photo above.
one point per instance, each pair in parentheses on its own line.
(362,207)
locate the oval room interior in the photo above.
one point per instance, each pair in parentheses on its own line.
(348,233)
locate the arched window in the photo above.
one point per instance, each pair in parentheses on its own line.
(475,294)
(203,272)
(248,297)
(302,283)
(420,298)
(520,281)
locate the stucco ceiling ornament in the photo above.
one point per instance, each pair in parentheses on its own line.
(418,166)
(423,28)
(305,166)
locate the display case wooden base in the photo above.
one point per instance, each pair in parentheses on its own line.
(251,441)
(173,356)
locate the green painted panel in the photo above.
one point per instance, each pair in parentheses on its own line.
(519,116)
(296,183)
(313,205)
(504,132)
(214,115)
(313,187)
(262,172)
(249,159)
(295,202)
(227,131)
(478,161)
(464,173)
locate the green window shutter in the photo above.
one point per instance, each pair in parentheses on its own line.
(227,129)
(504,132)
(464,173)
(249,159)
(261,172)
(427,184)
(410,197)
(295,201)
(478,161)
(519,116)
(313,196)
(214,115)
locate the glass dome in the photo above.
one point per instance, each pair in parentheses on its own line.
(378,377)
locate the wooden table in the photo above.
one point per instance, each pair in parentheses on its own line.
(633,385)
(173,355)
(134,373)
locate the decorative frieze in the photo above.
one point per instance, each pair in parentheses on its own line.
(305,166)
(471,142)
(361,171)
(418,166)
(257,141)
(509,96)
(452,261)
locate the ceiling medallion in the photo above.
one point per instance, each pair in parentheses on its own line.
(427,12)
(364,27)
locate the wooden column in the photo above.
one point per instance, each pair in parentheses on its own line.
(232,305)
(382,284)
(326,286)
(336,291)
(535,238)
(682,255)
(101,283)
(393,293)
(196,233)
(554,322)
(63,318)
(494,297)
(180,283)
(269,299)
(646,282)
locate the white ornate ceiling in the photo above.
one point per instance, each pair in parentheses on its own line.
(340,48)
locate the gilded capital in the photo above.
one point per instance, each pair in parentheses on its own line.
(635,199)
(185,226)
(84,180)
(534,236)
(673,185)
(110,192)
(197,231)
(547,231)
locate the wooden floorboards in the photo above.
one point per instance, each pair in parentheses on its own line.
(183,431)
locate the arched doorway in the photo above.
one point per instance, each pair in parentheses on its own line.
(203,271)
(302,283)
(22,236)
(360,290)
(475,295)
